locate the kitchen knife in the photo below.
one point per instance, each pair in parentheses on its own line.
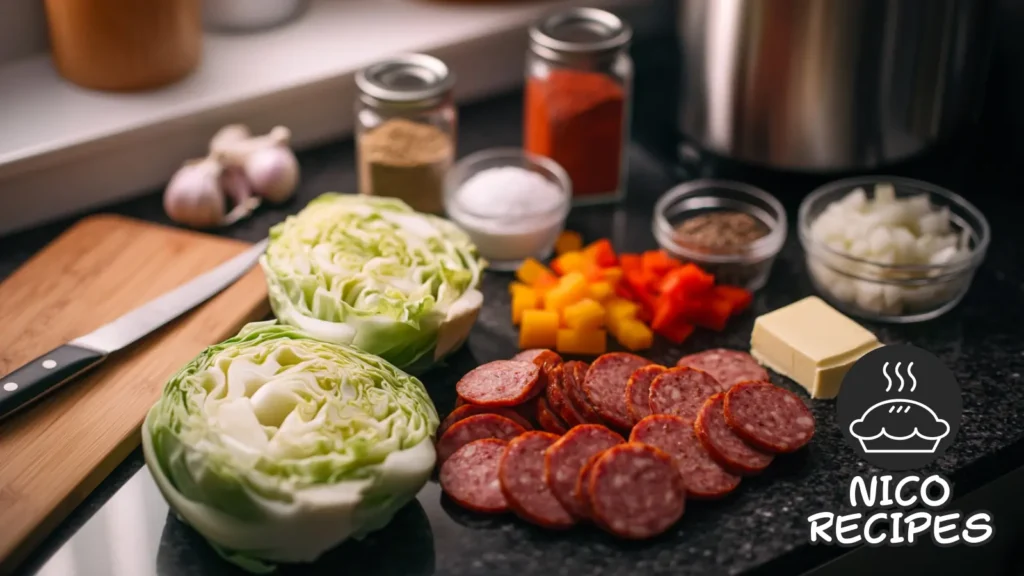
(49,371)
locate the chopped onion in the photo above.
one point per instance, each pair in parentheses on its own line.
(885,230)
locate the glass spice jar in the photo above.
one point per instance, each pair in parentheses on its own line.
(405,130)
(579,78)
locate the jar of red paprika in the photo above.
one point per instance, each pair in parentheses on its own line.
(579,80)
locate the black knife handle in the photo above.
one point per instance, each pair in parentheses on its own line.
(43,375)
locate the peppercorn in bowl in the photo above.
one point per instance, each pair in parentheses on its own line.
(730,229)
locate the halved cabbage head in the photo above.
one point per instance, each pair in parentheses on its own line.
(276,446)
(372,272)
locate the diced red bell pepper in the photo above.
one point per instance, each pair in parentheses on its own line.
(711,313)
(666,313)
(676,333)
(657,262)
(687,280)
(738,298)
(629,263)
(602,253)
(640,292)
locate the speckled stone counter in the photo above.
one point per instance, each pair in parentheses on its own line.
(762,527)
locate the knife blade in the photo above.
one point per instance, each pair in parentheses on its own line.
(48,372)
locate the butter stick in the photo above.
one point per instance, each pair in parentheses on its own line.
(812,343)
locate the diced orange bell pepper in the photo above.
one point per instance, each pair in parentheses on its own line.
(571,288)
(531,272)
(514,287)
(601,291)
(544,284)
(686,280)
(522,300)
(634,335)
(739,298)
(676,333)
(569,262)
(612,275)
(568,241)
(602,253)
(586,314)
(657,262)
(539,329)
(589,342)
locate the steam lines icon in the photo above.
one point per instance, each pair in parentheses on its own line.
(899,425)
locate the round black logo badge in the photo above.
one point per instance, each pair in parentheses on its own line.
(899,407)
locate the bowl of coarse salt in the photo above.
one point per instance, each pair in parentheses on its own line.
(512,203)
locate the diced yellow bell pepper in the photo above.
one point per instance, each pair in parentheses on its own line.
(539,329)
(634,335)
(568,241)
(522,300)
(601,291)
(531,272)
(612,275)
(618,310)
(569,262)
(571,289)
(586,314)
(590,342)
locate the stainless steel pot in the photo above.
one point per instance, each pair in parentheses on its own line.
(829,85)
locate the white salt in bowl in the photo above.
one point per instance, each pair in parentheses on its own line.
(514,211)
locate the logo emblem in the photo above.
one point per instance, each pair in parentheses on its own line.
(899,407)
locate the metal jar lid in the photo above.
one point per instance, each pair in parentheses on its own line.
(411,79)
(579,32)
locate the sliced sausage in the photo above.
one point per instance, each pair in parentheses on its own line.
(605,386)
(533,354)
(703,477)
(522,482)
(470,476)
(768,417)
(501,383)
(582,490)
(564,459)
(547,418)
(728,449)
(574,393)
(476,428)
(467,410)
(681,392)
(729,367)
(636,491)
(557,401)
(638,391)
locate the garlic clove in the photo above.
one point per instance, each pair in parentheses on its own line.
(193,197)
(235,185)
(273,173)
(236,152)
(228,137)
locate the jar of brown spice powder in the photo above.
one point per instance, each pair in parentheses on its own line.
(405,130)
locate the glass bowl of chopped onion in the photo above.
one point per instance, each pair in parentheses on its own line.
(891,249)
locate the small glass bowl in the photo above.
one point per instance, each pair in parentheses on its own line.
(899,294)
(748,267)
(505,240)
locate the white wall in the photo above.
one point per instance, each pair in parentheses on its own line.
(22,29)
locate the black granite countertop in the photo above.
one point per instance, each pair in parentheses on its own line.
(762,527)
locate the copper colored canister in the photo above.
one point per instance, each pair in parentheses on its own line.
(125,45)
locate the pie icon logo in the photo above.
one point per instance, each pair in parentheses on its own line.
(899,407)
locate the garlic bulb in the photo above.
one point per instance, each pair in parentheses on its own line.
(195,196)
(273,173)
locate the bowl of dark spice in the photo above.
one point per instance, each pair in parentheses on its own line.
(731,229)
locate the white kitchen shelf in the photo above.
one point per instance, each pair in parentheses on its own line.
(64,149)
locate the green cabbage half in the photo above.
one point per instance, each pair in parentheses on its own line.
(372,272)
(276,446)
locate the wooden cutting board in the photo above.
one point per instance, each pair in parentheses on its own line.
(55,452)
